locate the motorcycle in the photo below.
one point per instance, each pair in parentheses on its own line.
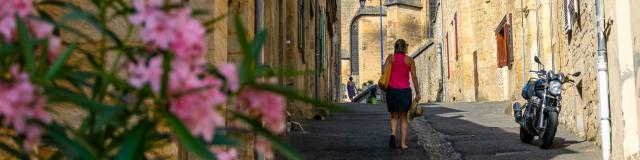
(539,115)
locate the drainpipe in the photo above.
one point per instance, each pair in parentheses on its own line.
(538,30)
(553,54)
(442,83)
(381,43)
(603,88)
(523,52)
(259,20)
(259,27)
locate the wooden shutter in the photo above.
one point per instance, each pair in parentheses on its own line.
(502,48)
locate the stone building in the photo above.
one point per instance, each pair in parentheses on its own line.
(365,24)
(488,49)
(302,35)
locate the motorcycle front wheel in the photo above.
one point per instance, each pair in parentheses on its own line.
(550,130)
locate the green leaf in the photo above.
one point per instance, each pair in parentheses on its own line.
(65,144)
(166,68)
(7,49)
(107,115)
(222,138)
(207,24)
(27,46)
(55,67)
(277,142)
(257,44)
(192,144)
(242,36)
(64,94)
(289,93)
(132,147)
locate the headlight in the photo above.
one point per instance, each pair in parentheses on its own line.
(555,87)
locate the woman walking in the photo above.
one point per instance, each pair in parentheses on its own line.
(399,91)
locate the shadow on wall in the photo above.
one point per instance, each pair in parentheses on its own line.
(476,141)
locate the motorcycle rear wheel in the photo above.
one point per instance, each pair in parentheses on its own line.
(525,137)
(550,130)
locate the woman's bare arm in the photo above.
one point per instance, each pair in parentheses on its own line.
(414,78)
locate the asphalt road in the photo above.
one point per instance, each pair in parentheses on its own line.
(362,134)
(484,131)
(474,131)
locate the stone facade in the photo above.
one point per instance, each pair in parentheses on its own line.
(400,20)
(315,25)
(538,29)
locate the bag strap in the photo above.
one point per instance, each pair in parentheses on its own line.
(390,58)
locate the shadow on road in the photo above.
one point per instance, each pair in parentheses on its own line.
(361,134)
(485,132)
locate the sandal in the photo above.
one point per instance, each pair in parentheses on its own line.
(392,141)
(404,147)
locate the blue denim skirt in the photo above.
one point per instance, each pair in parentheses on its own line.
(399,100)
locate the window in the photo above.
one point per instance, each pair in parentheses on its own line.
(355,59)
(448,64)
(570,12)
(455,28)
(504,43)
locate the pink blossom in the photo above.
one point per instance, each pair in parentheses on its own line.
(195,99)
(230,73)
(197,108)
(8,28)
(41,29)
(174,31)
(263,145)
(269,105)
(20,102)
(225,154)
(54,48)
(143,73)
(8,10)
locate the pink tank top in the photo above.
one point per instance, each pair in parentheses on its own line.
(399,72)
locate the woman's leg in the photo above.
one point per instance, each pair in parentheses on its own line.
(404,130)
(394,122)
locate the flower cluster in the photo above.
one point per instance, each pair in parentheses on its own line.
(194,95)
(174,30)
(20,103)
(225,154)
(10,9)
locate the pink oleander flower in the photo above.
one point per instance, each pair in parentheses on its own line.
(145,72)
(19,103)
(8,10)
(195,99)
(225,154)
(230,73)
(174,30)
(8,28)
(197,108)
(263,145)
(41,29)
(269,105)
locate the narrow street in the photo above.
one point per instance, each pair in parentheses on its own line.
(451,131)
(485,131)
(362,134)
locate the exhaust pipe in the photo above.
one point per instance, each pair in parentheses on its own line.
(517,111)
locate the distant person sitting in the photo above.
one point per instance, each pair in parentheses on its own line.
(351,88)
